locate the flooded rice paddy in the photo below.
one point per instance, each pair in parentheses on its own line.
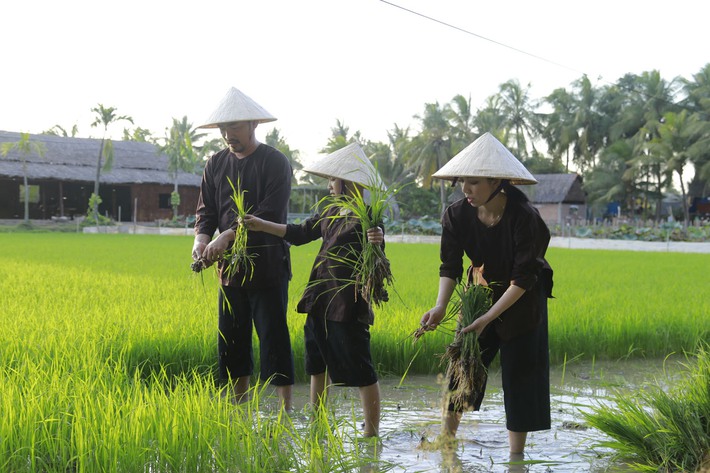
(411,412)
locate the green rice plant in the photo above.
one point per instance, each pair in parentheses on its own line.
(464,364)
(106,380)
(237,256)
(600,308)
(330,442)
(372,273)
(603,309)
(656,430)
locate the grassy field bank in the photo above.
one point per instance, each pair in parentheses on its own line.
(109,348)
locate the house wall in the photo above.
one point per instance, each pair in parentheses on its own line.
(557,214)
(151,197)
(71,199)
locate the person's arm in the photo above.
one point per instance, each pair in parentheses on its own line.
(260,225)
(432,317)
(509,297)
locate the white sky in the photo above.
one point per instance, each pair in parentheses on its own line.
(310,62)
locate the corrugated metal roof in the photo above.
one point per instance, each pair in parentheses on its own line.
(74,159)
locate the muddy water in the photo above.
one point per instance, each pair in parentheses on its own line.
(411,418)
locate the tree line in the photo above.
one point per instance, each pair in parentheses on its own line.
(629,140)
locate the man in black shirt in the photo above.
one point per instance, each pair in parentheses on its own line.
(255,295)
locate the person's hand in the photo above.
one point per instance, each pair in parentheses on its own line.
(375,236)
(198,248)
(216,248)
(253,223)
(478,325)
(432,317)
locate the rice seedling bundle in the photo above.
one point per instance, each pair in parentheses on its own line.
(372,273)
(237,256)
(465,368)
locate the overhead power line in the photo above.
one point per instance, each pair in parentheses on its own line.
(468,32)
(518,50)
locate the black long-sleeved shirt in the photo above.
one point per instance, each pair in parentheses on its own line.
(328,293)
(265,176)
(511,252)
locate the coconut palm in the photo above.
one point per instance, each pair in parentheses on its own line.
(274,139)
(462,120)
(681,138)
(389,158)
(560,132)
(518,110)
(490,119)
(339,138)
(181,154)
(431,149)
(698,100)
(609,181)
(105,116)
(649,98)
(588,124)
(24,148)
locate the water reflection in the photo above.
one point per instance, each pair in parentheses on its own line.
(411,417)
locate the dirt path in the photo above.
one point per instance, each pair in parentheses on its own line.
(587,243)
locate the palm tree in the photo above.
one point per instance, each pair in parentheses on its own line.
(274,139)
(24,148)
(649,98)
(610,181)
(400,145)
(698,100)
(462,120)
(587,123)
(518,110)
(681,137)
(431,149)
(339,138)
(560,132)
(490,119)
(105,116)
(181,154)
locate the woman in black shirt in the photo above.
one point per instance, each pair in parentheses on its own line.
(505,239)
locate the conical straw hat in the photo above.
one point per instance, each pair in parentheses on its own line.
(237,107)
(348,163)
(486,157)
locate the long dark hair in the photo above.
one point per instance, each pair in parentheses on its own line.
(513,192)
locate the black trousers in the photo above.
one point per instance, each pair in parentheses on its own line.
(525,373)
(265,309)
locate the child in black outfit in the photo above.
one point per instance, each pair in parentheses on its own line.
(337,333)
